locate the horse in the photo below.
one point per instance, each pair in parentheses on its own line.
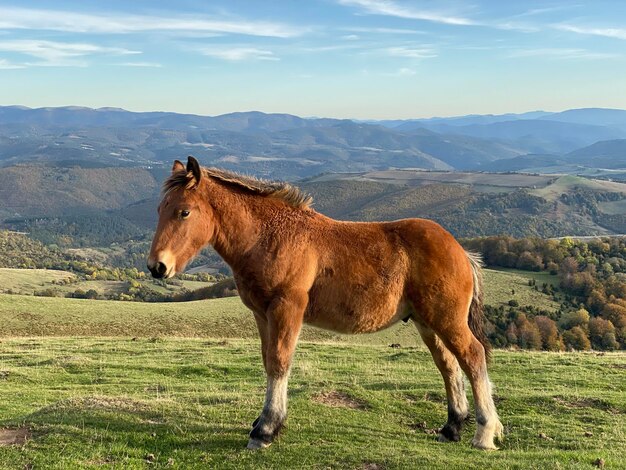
(293,265)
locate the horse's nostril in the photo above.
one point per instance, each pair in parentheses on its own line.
(158,270)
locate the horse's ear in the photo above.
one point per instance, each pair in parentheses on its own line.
(177,166)
(193,167)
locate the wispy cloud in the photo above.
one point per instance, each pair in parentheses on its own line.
(401,72)
(517,26)
(59,53)
(6,65)
(561,53)
(545,10)
(391,8)
(235,54)
(140,64)
(411,52)
(616,33)
(68,21)
(383,30)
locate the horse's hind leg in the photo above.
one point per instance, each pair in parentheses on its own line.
(471,356)
(458,408)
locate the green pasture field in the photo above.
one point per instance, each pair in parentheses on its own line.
(500,284)
(188,403)
(225,318)
(28,281)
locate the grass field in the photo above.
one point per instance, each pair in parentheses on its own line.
(28,281)
(500,285)
(188,403)
(93,384)
(225,318)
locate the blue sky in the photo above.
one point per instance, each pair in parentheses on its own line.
(378,59)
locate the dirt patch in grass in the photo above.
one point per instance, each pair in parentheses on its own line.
(4,374)
(339,400)
(423,427)
(372,466)
(14,436)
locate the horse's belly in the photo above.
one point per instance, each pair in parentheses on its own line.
(357,314)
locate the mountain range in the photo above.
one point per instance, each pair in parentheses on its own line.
(284,146)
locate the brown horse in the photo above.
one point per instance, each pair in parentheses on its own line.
(294,265)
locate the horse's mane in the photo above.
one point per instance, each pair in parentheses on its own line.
(276,189)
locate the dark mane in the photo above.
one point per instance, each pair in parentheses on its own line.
(276,189)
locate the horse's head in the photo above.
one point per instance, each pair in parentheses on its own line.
(184,226)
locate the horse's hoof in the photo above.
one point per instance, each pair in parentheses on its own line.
(483,445)
(449,434)
(255,444)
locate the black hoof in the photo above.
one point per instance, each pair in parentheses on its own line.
(262,437)
(451,433)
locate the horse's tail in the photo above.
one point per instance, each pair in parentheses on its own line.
(476,319)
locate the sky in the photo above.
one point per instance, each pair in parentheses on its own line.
(363,59)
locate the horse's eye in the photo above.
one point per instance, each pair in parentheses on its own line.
(184,214)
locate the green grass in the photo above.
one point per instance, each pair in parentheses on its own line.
(22,315)
(94,402)
(221,318)
(500,284)
(29,280)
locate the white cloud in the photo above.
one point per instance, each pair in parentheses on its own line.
(411,52)
(615,33)
(6,65)
(383,30)
(58,54)
(57,20)
(53,52)
(561,53)
(390,8)
(235,54)
(140,64)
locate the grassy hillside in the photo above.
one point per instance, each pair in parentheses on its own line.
(477,204)
(23,315)
(34,190)
(116,403)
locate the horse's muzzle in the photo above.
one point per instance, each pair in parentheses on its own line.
(158,270)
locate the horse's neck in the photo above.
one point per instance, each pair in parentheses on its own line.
(237,223)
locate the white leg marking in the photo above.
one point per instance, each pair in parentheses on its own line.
(274,412)
(488,423)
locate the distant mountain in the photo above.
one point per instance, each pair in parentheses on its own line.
(532,135)
(606,154)
(290,147)
(529,162)
(615,118)
(38,191)
(463,120)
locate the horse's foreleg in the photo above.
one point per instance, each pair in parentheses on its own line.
(284,321)
(458,407)
(261,323)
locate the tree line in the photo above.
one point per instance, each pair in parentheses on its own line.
(592,292)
